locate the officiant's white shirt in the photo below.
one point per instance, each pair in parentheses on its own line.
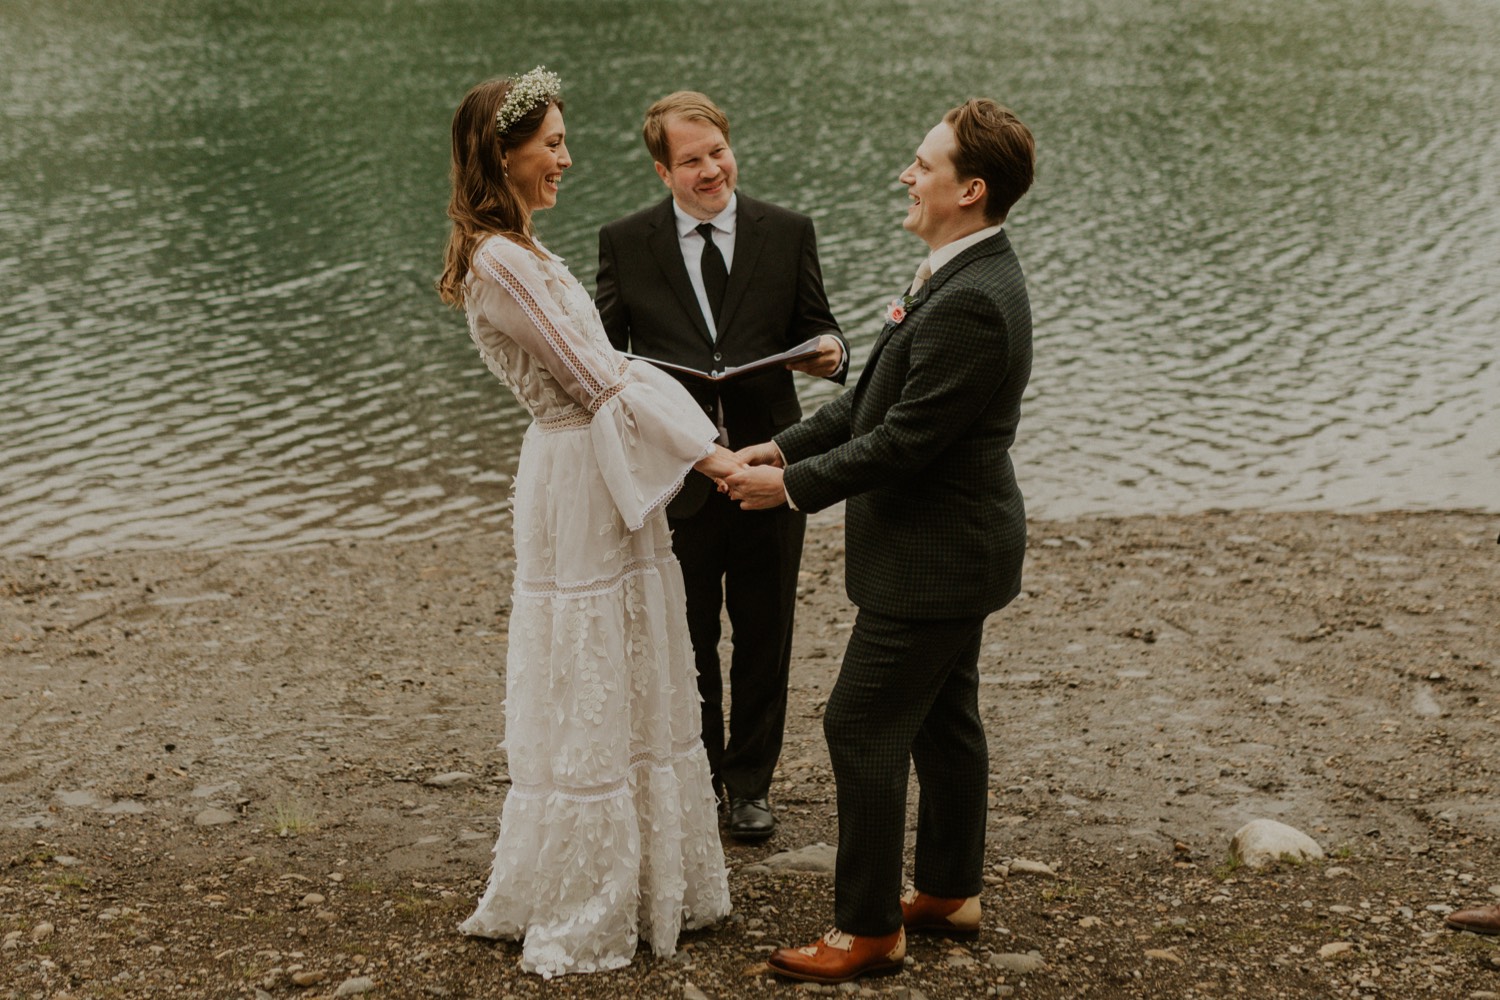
(692,251)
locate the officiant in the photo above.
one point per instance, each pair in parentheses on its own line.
(711,279)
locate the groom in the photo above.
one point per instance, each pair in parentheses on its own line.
(936,533)
(709,278)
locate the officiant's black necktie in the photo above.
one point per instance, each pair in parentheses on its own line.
(715,274)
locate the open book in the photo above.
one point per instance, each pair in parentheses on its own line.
(798,353)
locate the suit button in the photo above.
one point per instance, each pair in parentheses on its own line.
(718,357)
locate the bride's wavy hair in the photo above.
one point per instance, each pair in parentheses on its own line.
(484,203)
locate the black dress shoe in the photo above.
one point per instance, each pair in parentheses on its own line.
(751,820)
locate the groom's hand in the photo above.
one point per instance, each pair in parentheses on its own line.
(757,487)
(765,453)
(829,359)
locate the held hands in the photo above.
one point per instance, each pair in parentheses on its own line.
(823,364)
(758,484)
(718,464)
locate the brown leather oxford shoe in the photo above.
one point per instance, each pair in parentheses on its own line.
(837,957)
(954,917)
(1480,920)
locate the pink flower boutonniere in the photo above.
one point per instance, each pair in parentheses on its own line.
(896,311)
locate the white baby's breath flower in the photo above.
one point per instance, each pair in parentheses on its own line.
(526,92)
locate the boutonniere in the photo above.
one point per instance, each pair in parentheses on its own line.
(896,311)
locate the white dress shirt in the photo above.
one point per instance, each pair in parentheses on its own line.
(692,251)
(945,253)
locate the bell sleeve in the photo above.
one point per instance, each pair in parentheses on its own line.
(646,432)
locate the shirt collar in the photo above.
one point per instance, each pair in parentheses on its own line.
(723,222)
(945,254)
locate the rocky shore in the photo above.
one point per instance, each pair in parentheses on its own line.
(232,774)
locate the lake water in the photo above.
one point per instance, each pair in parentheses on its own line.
(1263,245)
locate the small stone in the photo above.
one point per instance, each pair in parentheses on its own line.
(1341,910)
(691,992)
(1089,922)
(1335,948)
(41,932)
(82,799)
(1336,872)
(357,984)
(449,779)
(812,858)
(1021,866)
(312,899)
(67,860)
(1164,955)
(1021,965)
(308,978)
(213,817)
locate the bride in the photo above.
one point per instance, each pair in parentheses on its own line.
(609,832)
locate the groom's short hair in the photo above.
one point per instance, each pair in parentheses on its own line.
(687,104)
(993,145)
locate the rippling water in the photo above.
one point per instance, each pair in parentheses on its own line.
(1262,247)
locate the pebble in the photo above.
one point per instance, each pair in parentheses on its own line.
(308,978)
(1164,955)
(312,899)
(1334,949)
(357,984)
(812,858)
(691,992)
(41,932)
(1021,866)
(213,817)
(449,779)
(1336,872)
(1018,963)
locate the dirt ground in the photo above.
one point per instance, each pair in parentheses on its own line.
(230,774)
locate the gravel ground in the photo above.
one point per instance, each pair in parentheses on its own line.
(231,774)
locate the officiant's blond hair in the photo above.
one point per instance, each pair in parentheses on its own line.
(686,104)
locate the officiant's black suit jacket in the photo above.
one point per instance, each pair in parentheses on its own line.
(935,525)
(774,301)
(744,560)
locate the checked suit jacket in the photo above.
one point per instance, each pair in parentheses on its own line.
(774,301)
(935,526)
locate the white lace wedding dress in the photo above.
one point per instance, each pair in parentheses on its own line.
(609,832)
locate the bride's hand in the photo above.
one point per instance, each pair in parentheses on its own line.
(718,464)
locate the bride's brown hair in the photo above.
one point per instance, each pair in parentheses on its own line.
(483,202)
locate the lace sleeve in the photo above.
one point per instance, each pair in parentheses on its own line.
(512,295)
(647,432)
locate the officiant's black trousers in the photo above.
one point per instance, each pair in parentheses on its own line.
(908,691)
(745,562)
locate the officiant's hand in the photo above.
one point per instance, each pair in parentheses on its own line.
(823,364)
(765,453)
(757,487)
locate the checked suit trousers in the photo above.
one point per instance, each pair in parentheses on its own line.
(907,693)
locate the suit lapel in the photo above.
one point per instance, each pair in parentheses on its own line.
(749,238)
(994,245)
(666,247)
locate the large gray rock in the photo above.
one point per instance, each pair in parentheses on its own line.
(1261,842)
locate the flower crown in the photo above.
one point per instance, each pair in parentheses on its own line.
(526,92)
